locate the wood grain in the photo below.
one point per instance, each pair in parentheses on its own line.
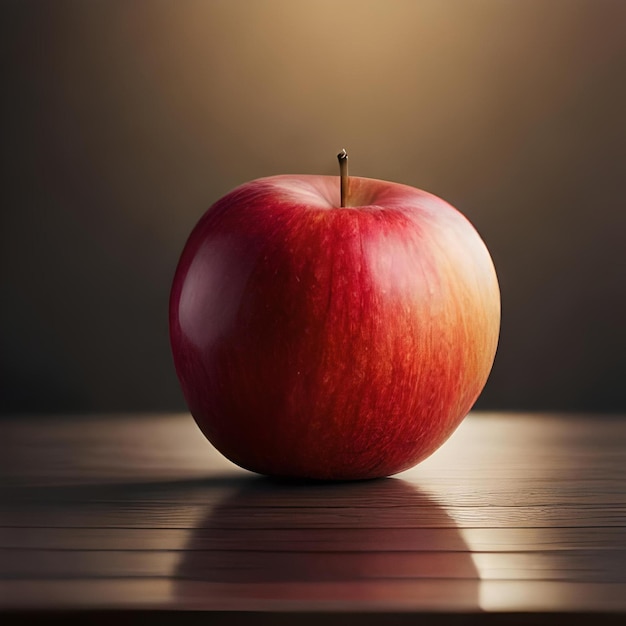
(519,515)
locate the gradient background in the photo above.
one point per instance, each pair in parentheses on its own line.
(123,121)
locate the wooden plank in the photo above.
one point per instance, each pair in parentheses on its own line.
(327,540)
(418,596)
(245,489)
(182,517)
(313,566)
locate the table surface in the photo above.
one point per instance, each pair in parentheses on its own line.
(517,516)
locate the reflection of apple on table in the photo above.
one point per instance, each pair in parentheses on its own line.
(329,330)
(305,535)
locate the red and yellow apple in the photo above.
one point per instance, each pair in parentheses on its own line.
(316,340)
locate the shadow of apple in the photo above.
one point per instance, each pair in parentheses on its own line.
(285,532)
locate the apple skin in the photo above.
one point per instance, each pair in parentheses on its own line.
(315,341)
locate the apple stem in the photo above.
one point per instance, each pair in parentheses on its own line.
(343,173)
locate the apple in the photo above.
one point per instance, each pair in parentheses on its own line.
(332,331)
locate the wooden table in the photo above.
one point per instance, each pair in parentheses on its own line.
(516,519)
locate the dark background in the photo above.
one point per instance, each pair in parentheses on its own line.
(123,121)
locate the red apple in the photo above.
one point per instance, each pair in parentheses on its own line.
(313,340)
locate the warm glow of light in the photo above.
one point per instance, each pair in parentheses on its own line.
(535,547)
